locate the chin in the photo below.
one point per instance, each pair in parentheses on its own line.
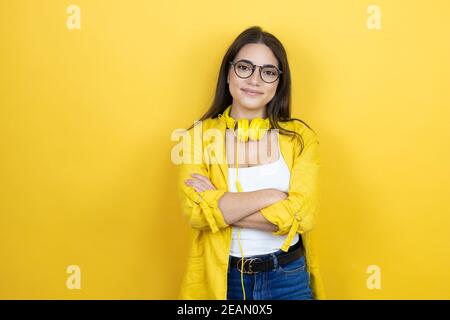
(253,105)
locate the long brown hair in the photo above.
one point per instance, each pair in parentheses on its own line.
(279,108)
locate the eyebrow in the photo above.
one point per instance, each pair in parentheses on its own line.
(264,65)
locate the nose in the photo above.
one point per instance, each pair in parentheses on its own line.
(255,76)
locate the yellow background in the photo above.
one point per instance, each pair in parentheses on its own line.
(86,117)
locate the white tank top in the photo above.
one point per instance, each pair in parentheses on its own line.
(274,175)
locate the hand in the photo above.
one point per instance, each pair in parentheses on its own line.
(200,183)
(279,195)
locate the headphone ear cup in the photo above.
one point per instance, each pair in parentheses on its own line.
(242,129)
(258,128)
(254,129)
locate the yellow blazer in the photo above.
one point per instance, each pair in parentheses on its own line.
(210,241)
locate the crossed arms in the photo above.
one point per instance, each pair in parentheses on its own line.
(208,208)
(241,209)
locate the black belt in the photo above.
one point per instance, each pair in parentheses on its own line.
(264,263)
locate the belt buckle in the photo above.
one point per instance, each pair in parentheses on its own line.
(250,260)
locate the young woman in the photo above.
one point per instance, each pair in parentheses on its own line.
(250,193)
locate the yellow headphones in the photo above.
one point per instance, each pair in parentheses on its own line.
(245,131)
(255,130)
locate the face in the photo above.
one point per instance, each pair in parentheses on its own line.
(258,54)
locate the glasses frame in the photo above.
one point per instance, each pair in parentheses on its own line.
(253,69)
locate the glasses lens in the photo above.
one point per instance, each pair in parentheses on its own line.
(269,74)
(243,69)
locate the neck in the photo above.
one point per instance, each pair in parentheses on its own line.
(239,112)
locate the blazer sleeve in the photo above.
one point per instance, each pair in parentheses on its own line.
(295,214)
(200,208)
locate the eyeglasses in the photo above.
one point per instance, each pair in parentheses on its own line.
(245,68)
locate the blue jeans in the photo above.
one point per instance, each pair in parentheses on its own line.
(288,282)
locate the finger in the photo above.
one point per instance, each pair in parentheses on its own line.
(204,179)
(202,185)
(198,185)
(199,189)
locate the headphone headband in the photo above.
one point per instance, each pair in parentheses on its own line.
(254,130)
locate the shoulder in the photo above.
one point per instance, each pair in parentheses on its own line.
(208,123)
(300,127)
(202,125)
(211,123)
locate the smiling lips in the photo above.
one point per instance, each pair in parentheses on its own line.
(251,92)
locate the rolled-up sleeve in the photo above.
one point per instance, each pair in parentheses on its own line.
(200,208)
(295,214)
